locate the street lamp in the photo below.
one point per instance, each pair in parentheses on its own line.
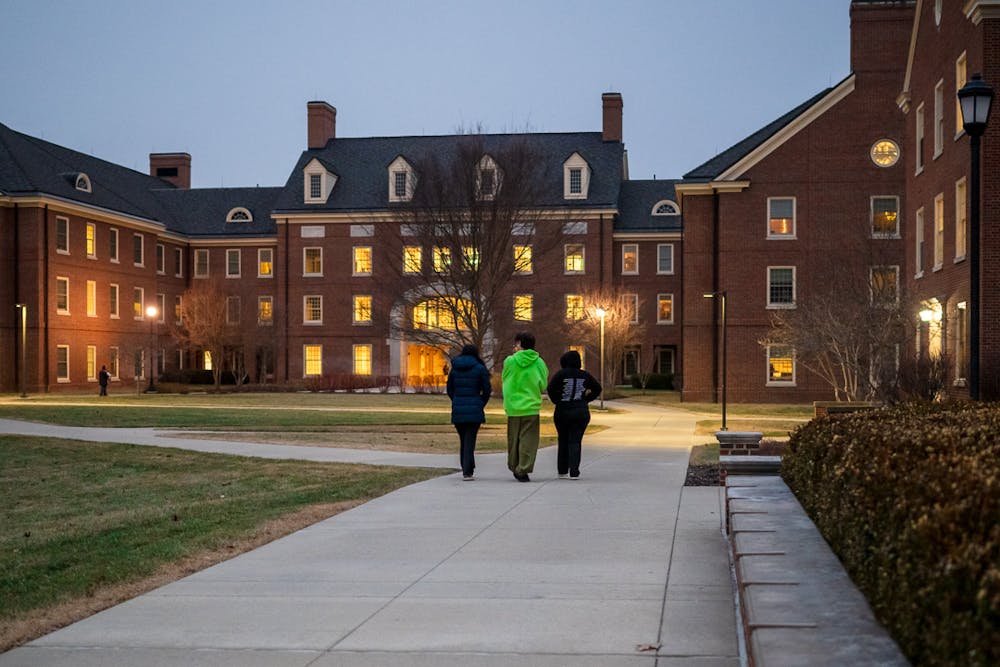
(722,305)
(151,313)
(22,310)
(975,99)
(601,313)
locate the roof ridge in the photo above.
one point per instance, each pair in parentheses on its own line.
(13,154)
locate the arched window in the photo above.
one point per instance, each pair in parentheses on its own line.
(666,207)
(441,313)
(83,183)
(239,214)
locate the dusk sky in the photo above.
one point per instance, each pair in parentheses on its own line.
(228,81)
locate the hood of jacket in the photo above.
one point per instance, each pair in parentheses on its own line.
(525,358)
(464,362)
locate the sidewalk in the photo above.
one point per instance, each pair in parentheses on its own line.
(446,572)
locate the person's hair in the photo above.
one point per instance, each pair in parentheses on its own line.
(571,359)
(471,351)
(526,340)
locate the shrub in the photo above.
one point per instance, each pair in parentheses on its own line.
(653,380)
(909,499)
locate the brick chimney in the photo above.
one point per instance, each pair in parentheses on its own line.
(322,123)
(171,167)
(612,130)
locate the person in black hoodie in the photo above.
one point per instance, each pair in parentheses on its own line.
(469,390)
(571,389)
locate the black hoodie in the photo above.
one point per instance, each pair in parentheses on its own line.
(572,388)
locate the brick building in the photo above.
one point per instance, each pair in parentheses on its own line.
(868,177)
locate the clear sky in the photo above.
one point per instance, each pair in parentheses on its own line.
(228,80)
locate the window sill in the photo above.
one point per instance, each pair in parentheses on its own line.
(959,259)
(62,312)
(91,256)
(893,236)
(312,275)
(267,276)
(664,273)
(937,267)
(937,154)
(781,306)
(312,324)
(630,273)
(959,382)
(362,324)
(233,277)
(62,380)
(782,237)
(918,275)
(659,322)
(919,170)
(777,383)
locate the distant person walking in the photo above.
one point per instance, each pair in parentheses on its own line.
(571,390)
(102,379)
(524,378)
(469,390)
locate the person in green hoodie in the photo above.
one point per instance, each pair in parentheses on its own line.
(525,377)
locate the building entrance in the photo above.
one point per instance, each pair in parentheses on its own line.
(426,366)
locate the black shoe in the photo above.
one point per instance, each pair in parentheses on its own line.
(575,475)
(522,478)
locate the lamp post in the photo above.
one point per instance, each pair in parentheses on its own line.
(722,306)
(151,313)
(601,313)
(22,310)
(975,99)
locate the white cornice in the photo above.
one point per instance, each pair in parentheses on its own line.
(977,10)
(359,217)
(647,236)
(95,213)
(711,187)
(196,242)
(787,132)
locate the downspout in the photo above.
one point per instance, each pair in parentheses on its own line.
(43,324)
(284,269)
(715,289)
(19,368)
(601,265)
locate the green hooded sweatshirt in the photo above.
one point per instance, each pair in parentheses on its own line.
(525,377)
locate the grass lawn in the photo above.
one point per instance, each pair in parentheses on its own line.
(704,454)
(671,399)
(87,525)
(771,428)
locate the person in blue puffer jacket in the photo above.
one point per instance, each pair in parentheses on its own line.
(469,390)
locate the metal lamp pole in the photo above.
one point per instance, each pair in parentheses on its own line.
(152,312)
(22,310)
(722,307)
(601,313)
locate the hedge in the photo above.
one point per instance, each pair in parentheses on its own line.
(909,499)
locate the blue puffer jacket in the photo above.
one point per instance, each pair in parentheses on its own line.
(469,390)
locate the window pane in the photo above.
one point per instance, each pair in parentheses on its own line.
(362,309)
(782,286)
(522,258)
(575,181)
(523,307)
(313,359)
(630,258)
(781,366)
(442,259)
(574,307)
(265,262)
(665,308)
(781,217)
(233,263)
(665,258)
(412,259)
(885,216)
(315,186)
(362,359)
(574,258)
(265,310)
(313,309)
(362,260)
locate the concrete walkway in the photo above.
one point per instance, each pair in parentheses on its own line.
(624,567)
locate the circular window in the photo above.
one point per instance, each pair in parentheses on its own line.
(885,153)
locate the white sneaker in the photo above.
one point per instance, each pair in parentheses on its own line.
(563,476)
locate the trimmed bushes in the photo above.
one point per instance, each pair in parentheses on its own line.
(653,380)
(909,499)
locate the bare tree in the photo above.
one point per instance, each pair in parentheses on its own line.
(203,325)
(473,221)
(622,330)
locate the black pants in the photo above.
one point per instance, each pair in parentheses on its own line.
(467,449)
(570,425)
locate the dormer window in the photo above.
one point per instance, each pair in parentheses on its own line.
(319,182)
(239,214)
(488,178)
(576,177)
(666,207)
(83,183)
(401,180)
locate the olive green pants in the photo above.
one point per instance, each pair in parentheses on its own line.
(522,443)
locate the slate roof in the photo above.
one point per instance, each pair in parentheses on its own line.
(202,212)
(711,169)
(361,163)
(635,207)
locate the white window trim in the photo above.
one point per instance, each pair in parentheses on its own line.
(62,251)
(113,306)
(938,240)
(179,310)
(142,304)
(60,378)
(161,259)
(636,247)
(659,297)
(142,249)
(396,166)
(208,258)
(161,307)
(485,163)
(767,370)
(662,202)
(659,248)
(326,182)
(583,259)
(82,183)
(305,310)
(962,214)
(91,292)
(921,137)
(871,217)
(938,119)
(230,300)
(113,233)
(919,232)
(62,311)
(531,260)
(371,259)
(92,363)
(230,217)
(782,306)
(354,358)
(91,227)
(305,364)
(260,252)
(576,161)
(961,78)
(354,310)
(795,220)
(239,263)
(179,256)
(306,274)
(265,299)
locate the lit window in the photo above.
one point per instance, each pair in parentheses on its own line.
(440,313)
(91,298)
(665,258)
(62,296)
(362,309)
(780,365)
(574,307)
(179,308)
(664,308)
(362,359)
(665,207)
(113,301)
(233,263)
(471,257)
(62,235)
(630,259)
(265,262)
(62,363)
(206,360)
(579,349)
(312,358)
(412,259)
(781,287)
(885,285)
(441,259)
(232,310)
(265,310)
(161,306)
(312,309)
(630,308)
(113,245)
(960,81)
(201,263)
(362,260)
(961,229)
(138,303)
(885,217)
(574,258)
(91,240)
(938,232)
(312,261)
(91,362)
(522,259)
(138,251)
(161,261)
(113,356)
(523,307)
(781,217)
